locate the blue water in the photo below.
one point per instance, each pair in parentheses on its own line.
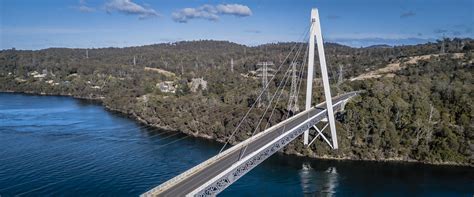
(60,146)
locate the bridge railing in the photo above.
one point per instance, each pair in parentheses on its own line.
(213,159)
(241,167)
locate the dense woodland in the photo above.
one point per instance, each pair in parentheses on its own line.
(421,113)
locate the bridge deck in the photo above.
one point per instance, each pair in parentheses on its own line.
(216,165)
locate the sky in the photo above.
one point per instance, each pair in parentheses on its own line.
(38,24)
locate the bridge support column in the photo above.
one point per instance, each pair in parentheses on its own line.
(309,79)
(316,32)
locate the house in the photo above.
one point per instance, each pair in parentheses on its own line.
(36,74)
(167,86)
(196,83)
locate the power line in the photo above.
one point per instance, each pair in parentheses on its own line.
(300,77)
(266,109)
(286,77)
(289,100)
(253,105)
(273,110)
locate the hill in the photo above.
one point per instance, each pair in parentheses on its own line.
(422,112)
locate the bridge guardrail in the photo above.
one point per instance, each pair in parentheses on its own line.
(213,159)
(223,180)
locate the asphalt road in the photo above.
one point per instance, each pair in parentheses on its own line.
(197,179)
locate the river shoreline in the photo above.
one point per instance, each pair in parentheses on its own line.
(142,120)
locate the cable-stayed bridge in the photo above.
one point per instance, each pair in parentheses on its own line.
(217,173)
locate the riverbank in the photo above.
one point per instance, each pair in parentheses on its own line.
(61,146)
(290,150)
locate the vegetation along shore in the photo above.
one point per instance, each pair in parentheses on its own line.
(416,105)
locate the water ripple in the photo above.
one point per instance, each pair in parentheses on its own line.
(64,148)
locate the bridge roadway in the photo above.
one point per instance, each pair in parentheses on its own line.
(194,178)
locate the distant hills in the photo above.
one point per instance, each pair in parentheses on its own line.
(421,112)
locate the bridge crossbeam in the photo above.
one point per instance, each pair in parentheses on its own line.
(320,133)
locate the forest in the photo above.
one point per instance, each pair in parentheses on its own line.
(420,111)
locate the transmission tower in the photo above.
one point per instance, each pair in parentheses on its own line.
(442,46)
(340,76)
(263,72)
(293,103)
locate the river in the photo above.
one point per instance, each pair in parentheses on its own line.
(60,146)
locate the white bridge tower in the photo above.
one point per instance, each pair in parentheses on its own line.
(315,31)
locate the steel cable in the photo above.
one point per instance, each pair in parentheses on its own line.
(258,98)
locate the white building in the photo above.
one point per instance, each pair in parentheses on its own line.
(167,86)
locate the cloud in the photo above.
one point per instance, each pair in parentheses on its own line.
(407,14)
(210,12)
(83,7)
(234,9)
(130,8)
(205,12)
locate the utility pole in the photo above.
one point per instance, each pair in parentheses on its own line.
(293,103)
(87,53)
(134,61)
(182,67)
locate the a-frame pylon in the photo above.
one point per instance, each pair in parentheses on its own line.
(315,32)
